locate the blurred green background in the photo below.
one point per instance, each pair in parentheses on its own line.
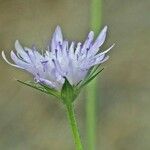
(30,120)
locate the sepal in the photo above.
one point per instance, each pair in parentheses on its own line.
(68,93)
(90,77)
(41,87)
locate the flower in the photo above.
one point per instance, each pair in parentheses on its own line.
(62,60)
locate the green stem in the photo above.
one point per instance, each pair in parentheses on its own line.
(96,15)
(74,127)
(91,116)
(95,23)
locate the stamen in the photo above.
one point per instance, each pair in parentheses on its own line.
(56,52)
(87,51)
(44,62)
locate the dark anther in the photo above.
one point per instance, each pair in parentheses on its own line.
(44,62)
(56,52)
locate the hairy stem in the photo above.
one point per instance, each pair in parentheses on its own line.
(74,127)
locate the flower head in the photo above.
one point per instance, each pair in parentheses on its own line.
(62,60)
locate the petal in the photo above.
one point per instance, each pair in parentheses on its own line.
(99,56)
(58,35)
(101,38)
(17,60)
(23,64)
(96,62)
(88,42)
(58,67)
(47,82)
(71,50)
(30,54)
(100,61)
(106,51)
(38,56)
(97,59)
(21,51)
(75,74)
(65,48)
(98,42)
(4,57)
(56,39)
(78,49)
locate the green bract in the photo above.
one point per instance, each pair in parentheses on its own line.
(68,92)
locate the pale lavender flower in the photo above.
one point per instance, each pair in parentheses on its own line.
(62,59)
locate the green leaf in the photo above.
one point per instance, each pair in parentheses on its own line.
(40,87)
(67,93)
(91,78)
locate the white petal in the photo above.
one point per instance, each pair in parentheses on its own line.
(4,57)
(23,64)
(105,59)
(21,51)
(106,51)
(103,53)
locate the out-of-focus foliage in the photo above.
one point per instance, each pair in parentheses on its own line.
(31,120)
